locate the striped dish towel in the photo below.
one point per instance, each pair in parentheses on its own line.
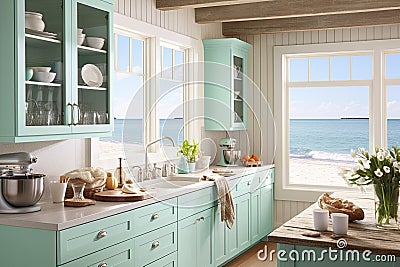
(225,198)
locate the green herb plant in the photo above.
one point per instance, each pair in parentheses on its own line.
(190,151)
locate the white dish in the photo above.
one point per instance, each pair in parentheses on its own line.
(45,77)
(41,69)
(41,33)
(34,21)
(95,42)
(81,38)
(91,75)
(79,31)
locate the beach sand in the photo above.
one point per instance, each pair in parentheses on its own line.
(317,172)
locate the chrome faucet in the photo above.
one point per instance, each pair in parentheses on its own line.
(146,165)
(139,173)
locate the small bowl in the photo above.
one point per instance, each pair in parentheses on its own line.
(95,42)
(33,21)
(46,77)
(41,69)
(79,31)
(81,38)
(28,74)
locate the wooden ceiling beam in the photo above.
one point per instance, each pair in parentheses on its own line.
(290,8)
(311,23)
(177,4)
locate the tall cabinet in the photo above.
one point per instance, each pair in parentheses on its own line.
(65,107)
(225,84)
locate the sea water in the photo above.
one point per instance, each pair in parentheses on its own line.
(332,139)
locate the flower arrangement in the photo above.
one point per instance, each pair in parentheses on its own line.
(380,169)
(190,151)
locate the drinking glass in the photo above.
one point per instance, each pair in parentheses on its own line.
(78,189)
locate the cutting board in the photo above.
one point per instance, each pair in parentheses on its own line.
(118,196)
(79,203)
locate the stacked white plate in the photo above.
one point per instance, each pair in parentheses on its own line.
(91,75)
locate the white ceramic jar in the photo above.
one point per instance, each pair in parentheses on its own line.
(33,21)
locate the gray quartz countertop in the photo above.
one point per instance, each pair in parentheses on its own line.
(56,217)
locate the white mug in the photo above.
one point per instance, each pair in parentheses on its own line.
(321,219)
(57,191)
(340,223)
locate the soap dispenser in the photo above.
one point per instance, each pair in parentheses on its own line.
(120,173)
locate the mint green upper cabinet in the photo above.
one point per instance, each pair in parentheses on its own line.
(40,109)
(225,84)
(195,240)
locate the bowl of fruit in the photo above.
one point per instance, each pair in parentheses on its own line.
(251,161)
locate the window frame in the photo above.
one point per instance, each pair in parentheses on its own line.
(377,107)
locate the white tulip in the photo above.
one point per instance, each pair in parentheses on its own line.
(353,153)
(386,169)
(396,164)
(362,150)
(380,156)
(378,173)
(367,164)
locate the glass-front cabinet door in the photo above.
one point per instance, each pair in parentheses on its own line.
(42,81)
(92,44)
(238,91)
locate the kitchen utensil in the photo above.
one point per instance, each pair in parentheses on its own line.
(41,69)
(95,42)
(28,74)
(229,155)
(46,77)
(91,75)
(20,189)
(34,21)
(321,219)
(57,191)
(118,196)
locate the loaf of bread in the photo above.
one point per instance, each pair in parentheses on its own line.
(338,205)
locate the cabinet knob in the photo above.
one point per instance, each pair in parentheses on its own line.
(155,244)
(102,234)
(154,216)
(201,218)
(249,183)
(103,264)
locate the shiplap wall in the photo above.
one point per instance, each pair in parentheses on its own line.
(261,72)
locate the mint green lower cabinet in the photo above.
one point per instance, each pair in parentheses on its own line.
(220,238)
(155,244)
(239,237)
(170,260)
(262,212)
(195,240)
(326,261)
(120,255)
(22,247)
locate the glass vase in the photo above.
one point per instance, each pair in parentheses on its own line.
(387,206)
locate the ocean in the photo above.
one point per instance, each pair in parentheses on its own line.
(332,139)
(130,130)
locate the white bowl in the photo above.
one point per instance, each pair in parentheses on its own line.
(81,38)
(33,21)
(46,77)
(41,69)
(79,31)
(95,42)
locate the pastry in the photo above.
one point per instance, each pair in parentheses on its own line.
(338,205)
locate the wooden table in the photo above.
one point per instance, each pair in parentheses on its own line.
(361,235)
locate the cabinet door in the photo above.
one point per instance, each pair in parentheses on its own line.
(91,66)
(195,242)
(220,238)
(167,261)
(255,215)
(42,97)
(239,236)
(239,92)
(266,210)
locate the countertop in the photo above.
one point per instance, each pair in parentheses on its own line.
(361,234)
(56,217)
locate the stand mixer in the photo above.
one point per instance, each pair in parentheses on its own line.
(20,189)
(229,155)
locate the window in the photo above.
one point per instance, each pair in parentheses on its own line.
(330,98)
(127,99)
(171,100)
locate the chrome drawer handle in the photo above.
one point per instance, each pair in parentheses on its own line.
(154,216)
(155,244)
(103,264)
(248,183)
(201,218)
(102,234)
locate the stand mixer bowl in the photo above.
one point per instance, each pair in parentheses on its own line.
(23,190)
(231,156)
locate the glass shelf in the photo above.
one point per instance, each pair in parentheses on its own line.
(86,50)
(43,84)
(92,88)
(37,41)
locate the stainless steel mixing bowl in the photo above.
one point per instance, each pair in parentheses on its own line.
(231,156)
(23,190)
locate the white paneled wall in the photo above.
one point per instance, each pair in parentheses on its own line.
(261,72)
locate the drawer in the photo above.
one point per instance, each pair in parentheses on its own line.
(197,201)
(242,185)
(168,261)
(154,216)
(155,245)
(120,255)
(266,177)
(87,238)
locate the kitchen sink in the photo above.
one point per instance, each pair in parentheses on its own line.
(173,182)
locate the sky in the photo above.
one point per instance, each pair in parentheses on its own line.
(339,102)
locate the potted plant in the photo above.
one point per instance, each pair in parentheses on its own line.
(381,170)
(191,153)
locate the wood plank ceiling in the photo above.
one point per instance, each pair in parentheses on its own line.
(269,16)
